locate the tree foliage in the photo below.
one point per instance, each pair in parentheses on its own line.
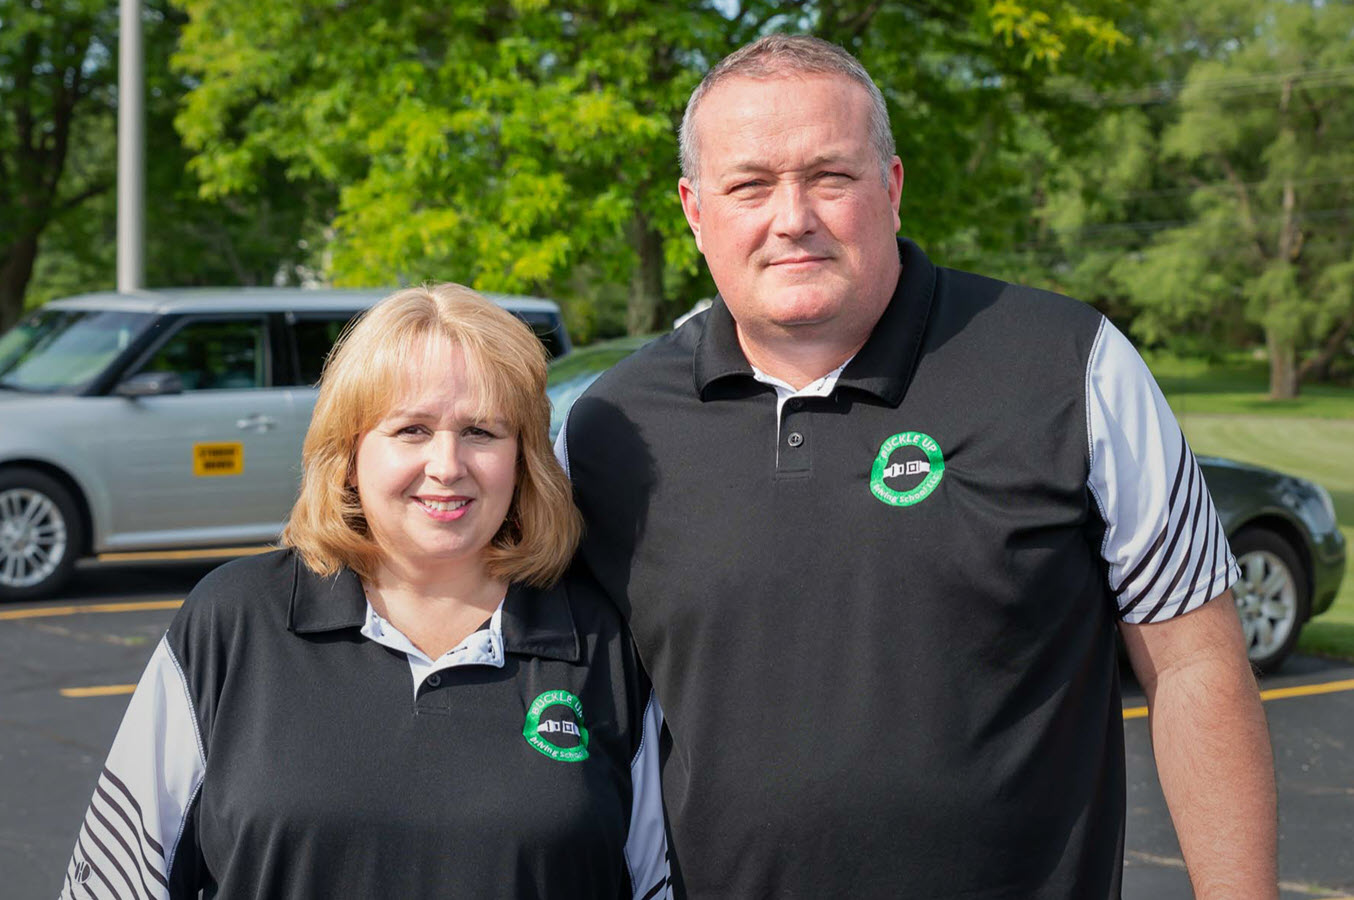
(56,65)
(531,145)
(58,156)
(1226,212)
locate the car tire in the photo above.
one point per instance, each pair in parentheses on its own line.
(1273,596)
(41,534)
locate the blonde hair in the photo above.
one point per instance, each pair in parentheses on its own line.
(363,377)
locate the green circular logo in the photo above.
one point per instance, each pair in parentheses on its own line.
(932,468)
(561,734)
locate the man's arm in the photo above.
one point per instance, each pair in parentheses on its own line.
(1212,748)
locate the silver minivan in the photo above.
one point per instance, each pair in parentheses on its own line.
(168,419)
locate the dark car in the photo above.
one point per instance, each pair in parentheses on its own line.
(1281,528)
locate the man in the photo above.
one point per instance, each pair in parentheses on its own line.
(873,524)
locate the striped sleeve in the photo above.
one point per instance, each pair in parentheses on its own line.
(136,820)
(1164,545)
(646,847)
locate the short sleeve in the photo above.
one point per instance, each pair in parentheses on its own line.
(138,821)
(1164,546)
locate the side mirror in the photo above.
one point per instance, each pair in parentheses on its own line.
(150,384)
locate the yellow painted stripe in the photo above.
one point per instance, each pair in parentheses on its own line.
(1305,690)
(106,690)
(155,555)
(1301,690)
(43,612)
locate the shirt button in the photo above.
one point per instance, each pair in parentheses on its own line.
(796,403)
(434,680)
(795,439)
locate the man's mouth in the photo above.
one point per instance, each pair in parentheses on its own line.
(797,260)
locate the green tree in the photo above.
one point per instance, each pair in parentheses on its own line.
(58,156)
(1214,205)
(531,146)
(56,76)
(1269,126)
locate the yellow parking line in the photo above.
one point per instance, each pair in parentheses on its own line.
(106,690)
(46,611)
(1301,690)
(153,555)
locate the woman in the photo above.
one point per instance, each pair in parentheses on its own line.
(405,701)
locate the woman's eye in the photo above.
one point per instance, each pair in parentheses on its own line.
(411,431)
(477,432)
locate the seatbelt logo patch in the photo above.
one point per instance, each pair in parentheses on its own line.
(554,727)
(911,477)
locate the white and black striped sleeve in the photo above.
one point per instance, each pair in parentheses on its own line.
(646,846)
(136,820)
(1164,546)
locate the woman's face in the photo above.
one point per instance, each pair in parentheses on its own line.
(435,482)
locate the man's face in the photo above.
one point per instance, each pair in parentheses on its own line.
(794,216)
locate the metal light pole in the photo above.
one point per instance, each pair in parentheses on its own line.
(131,150)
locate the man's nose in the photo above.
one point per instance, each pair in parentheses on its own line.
(794,212)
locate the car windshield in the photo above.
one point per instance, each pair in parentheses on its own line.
(63,350)
(570,375)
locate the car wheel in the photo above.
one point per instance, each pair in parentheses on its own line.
(41,534)
(1272,596)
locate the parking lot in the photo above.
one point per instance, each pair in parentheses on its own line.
(66,667)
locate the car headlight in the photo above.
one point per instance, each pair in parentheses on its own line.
(1327,503)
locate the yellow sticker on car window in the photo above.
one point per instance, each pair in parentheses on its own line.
(218,459)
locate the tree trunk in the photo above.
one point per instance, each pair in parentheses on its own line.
(15,272)
(1283,362)
(646,284)
(1318,367)
(1283,369)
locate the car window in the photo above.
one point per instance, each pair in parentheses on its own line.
(63,350)
(549,328)
(215,354)
(570,377)
(315,336)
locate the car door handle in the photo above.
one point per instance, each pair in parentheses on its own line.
(256,423)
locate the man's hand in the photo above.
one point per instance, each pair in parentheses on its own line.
(1212,748)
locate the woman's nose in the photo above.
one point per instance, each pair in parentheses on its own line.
(443,462)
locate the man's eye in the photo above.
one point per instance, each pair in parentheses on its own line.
(833,176)
(745,187)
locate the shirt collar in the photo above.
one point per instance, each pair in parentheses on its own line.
(536,622)
(883,367)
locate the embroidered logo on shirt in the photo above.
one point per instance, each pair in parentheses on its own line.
(554,727)
(914,475)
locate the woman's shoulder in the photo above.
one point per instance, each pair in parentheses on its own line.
(243,588)
(572,609)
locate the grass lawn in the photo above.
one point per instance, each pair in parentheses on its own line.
(1224,412)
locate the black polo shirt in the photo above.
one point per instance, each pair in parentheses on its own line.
(881,622)
(271,750)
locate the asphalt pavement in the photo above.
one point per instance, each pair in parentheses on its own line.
(65,666)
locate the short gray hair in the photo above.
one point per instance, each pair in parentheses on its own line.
(781,54)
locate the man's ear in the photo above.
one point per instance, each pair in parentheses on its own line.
(691,207)
(895,185)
